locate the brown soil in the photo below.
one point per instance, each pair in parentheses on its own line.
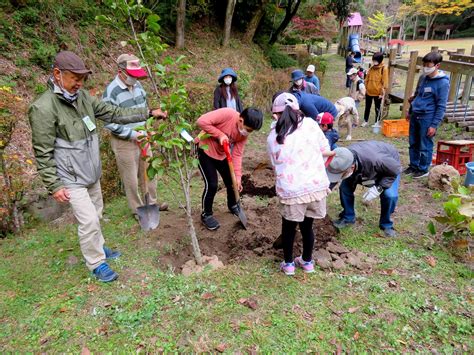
(231,242)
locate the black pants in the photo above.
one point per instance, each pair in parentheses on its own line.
(368,106)
(209,168)
(348,80)
(288,231)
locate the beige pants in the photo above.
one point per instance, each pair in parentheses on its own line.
(87,206)
(131,167)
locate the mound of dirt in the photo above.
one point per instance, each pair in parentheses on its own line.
(231,243)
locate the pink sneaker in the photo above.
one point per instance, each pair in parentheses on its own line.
(288,268)
(307,266)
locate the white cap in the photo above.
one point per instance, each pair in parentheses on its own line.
(311,68)
(352,71)
(283,100)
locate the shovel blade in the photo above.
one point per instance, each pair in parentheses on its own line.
(148,217)
(242,216)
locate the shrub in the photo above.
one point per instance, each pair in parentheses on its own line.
(278,59)
(43,54)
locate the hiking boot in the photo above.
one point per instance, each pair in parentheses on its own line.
(111,254)
(307,266)
(288,268)
(341,223)
(420,174)
(409,171)
(390,233)
(104,273)
(364,124)
(234,210)
(163,206)
(210,222)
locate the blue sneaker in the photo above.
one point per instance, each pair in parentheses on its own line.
(111,254)
(104,273)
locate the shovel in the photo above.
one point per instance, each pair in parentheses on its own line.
(148,215)
(241,214)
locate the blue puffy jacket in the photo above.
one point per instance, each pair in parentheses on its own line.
(431,97)
(332,137)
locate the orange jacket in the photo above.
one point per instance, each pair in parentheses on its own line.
(376,80)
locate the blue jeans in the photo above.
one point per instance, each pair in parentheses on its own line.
(421,146)
(388,202)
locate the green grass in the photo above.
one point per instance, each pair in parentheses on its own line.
(49,303)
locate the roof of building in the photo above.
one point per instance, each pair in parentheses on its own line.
(354,20)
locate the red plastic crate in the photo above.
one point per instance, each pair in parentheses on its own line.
(455,153)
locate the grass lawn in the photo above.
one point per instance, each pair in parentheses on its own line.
(50,303)
(423,47)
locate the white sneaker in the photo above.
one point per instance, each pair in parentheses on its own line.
(348,138)
(364,124)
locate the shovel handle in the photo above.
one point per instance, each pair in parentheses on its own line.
(232,172)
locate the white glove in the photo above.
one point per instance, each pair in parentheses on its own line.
(372,193)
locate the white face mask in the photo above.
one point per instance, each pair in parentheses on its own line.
(227,80)
(299,82)
(66,94)
(243,132)
(375,62)
(428,70)
(130,81)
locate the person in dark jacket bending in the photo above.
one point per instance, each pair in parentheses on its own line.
(375,165)
(226,93)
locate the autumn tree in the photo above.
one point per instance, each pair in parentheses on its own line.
(379,23)
(431,9)
(291,8)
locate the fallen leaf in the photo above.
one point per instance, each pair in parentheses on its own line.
(176,299)
(356,336)
(207,296)
(248,302)
(63,309)
(107,304)
(353,309)
(392,283)
(102,330)
(91,287)
(321,337)
(85,351)
(431,260)
(44,340)
(387,272)
(221,347)
(304,314)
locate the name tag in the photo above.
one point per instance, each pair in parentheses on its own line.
(89,124)
(427,89)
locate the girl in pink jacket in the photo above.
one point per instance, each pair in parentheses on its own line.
(297,148)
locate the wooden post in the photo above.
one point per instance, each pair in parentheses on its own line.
(467,85)
(391,69)
(410,81)
(454,82)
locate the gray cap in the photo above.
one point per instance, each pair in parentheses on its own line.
(67,60)
(342,161)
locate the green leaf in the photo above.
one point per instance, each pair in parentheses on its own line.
(471,227)
(195,164)
(432,228)
(437,195)
(204,147)
(463,190)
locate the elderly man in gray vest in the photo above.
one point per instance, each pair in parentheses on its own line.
(126,91)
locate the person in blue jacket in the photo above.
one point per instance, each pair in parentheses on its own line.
(311,77)
(428,106)
(312,105)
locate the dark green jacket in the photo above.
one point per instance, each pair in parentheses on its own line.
(66,151)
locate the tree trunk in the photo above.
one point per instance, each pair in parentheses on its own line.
(427,28)
(290,12)
(255,21)
(415,27)
(180,22)
(229,13)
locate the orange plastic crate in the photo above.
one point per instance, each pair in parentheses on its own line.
(455,153)
(395,128)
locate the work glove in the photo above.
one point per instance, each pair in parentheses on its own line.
(372,193)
